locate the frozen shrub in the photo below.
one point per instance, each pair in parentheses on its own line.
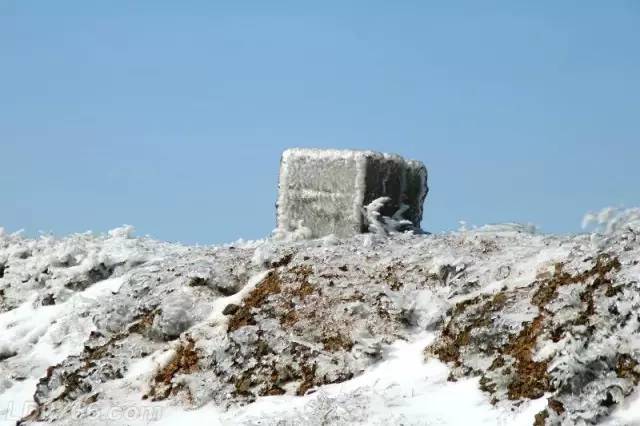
(125,231)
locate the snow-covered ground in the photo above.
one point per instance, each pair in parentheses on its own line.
(401,389)
(490,326)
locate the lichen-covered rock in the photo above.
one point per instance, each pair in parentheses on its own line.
(567,335)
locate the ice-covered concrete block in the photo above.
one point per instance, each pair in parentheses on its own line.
(326,190)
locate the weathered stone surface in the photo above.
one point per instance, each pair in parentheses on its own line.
(325,190)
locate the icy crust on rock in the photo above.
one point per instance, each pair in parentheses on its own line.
(326,190)
(318,202)
(522,328)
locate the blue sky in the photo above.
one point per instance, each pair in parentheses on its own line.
(171,116)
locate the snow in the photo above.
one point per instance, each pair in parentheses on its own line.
(17,402)
(44,336)
(627,414)
(400,389)
(389,294)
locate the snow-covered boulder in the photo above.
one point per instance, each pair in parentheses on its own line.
(326,190)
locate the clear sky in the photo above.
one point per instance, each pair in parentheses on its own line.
(171,115)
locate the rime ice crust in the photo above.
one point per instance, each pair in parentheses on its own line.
(325,190)
(95,326)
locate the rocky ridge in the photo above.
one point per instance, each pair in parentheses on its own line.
(531,316)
